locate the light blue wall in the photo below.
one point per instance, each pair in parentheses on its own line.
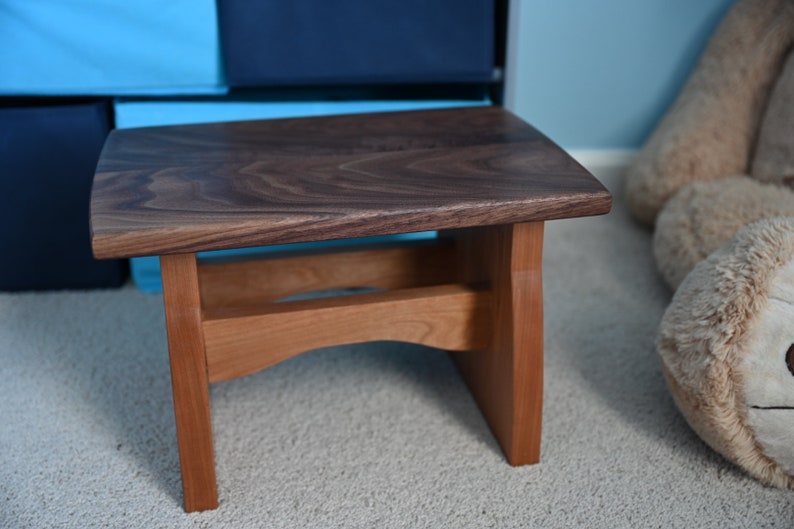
(600,74)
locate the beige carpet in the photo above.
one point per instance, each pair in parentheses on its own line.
(377,435)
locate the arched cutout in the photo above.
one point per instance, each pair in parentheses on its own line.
(245,340)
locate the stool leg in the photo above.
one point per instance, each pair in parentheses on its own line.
(189,380)
(507,379)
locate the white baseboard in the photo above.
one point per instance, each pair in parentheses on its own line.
(604,161)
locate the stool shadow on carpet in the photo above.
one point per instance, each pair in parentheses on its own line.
(367,386)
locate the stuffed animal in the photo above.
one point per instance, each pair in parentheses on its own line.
(717,180)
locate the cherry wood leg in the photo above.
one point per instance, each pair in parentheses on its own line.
(507,379)
(500,330)
(189,380)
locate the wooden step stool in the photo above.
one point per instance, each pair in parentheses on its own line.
(480,176)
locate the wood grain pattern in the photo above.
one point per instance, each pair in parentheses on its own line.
(189,381)
(507,379)
(241,341)
(246,281)
(181,189)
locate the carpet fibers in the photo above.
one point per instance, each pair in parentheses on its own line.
(374,435)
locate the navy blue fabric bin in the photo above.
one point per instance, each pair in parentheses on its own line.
(312,42)
(48,154)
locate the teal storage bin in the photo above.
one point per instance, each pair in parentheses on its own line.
(110,47)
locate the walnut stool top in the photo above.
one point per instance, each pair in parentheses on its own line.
(181,189)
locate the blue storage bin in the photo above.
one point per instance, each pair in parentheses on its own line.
(132,113)
(305,42)
(109,47)
(48,154)
(148,113)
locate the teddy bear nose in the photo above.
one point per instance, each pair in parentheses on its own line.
(790,359)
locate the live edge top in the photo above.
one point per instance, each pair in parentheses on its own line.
(182,189)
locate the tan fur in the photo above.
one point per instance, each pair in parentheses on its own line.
(710,131)
(702,337)
(717,179)
(703,216)
(773,160)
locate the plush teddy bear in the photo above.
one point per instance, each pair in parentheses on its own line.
(717,180)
